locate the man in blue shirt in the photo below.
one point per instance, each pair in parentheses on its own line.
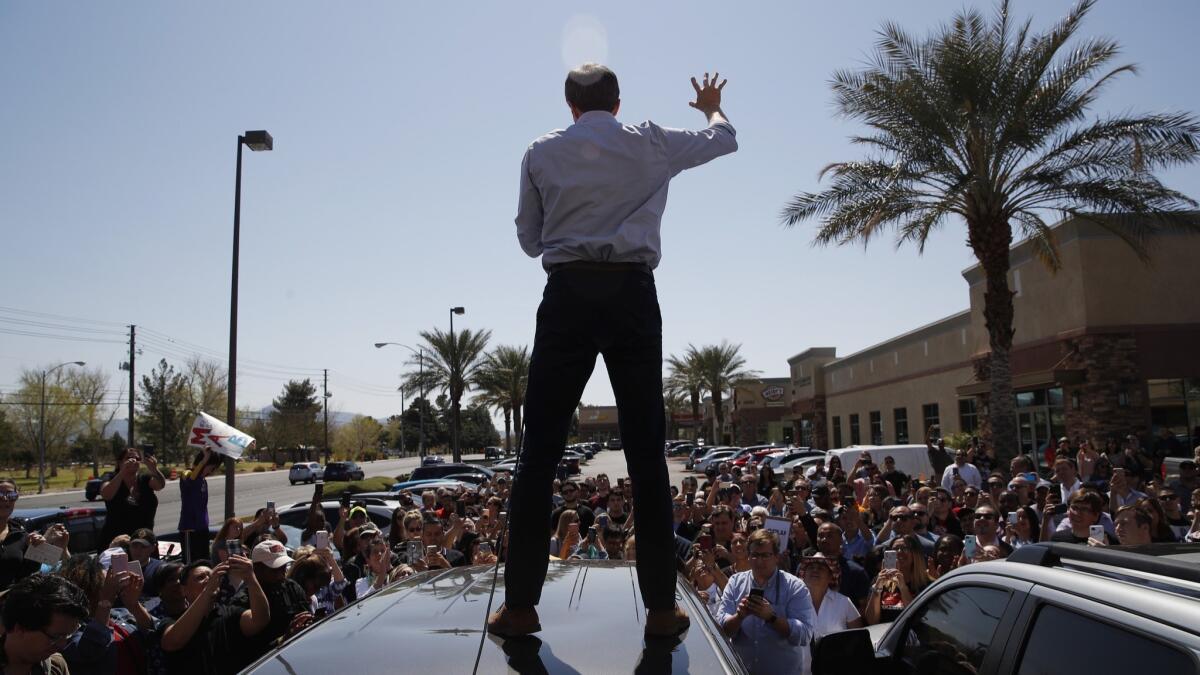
(590,205)
(767,613)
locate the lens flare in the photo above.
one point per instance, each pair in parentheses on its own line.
(584,39)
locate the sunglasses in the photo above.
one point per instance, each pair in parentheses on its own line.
(8,496)
(986,516)
(901,516)
(762,555)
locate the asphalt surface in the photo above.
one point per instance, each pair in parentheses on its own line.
(254,490)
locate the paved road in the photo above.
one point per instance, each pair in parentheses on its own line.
(254,490)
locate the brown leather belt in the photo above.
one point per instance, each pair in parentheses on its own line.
(596,266)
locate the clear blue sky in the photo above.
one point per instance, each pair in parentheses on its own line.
(389,197)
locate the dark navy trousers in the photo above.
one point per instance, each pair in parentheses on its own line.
(585,312)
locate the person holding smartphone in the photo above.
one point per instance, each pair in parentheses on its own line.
(129,496)
(766,613)
(905,573)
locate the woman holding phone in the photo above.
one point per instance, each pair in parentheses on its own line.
(1024,529)
(566,537)
(905,574)
(129,497)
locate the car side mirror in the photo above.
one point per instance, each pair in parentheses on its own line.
(844,653)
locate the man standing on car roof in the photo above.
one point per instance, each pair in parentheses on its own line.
(591,203)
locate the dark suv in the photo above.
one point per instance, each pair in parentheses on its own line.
(1048,608)
(343,471)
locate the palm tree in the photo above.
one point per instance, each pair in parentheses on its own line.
(674,401)
(985,122)
(684,377)
(450,366)
(720,367)
(503,378)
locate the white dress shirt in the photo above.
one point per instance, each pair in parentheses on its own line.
(967,472)
(597,190)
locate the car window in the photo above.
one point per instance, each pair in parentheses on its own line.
(951,633)
(1103,648)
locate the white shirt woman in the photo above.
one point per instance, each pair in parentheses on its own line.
(835,612)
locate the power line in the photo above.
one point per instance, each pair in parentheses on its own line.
(68,338)
(59,317)
(56,326)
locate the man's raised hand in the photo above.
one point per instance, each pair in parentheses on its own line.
(708,96)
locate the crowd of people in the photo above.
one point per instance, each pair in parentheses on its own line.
(779,561)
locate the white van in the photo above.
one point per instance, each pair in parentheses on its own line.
(910,459)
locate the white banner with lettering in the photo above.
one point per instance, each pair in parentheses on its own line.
(210,432)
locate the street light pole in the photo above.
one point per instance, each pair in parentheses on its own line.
(255,140)
(42,426)
(420,391)
(455,366)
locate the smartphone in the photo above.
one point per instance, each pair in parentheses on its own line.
(412,551)
(889,560)
(148,450)
(119,562)
(602,521)
(321,539)
(233,546)
(1060,509)
(135,567)
(916,484)
(969,546)
(485,548)
(319,488)
(573,527)
(1096,532)
(461,509)
(591,535)
(706,542)
(1012,518)
(726,484)
(756,593)
(431,551)
(271,506)
(955,470)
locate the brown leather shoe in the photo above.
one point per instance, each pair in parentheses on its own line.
(509,622)
(666,622)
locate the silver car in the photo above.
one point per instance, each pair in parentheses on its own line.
(306,472)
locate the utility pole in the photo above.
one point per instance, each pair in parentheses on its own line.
(325,405)
(132,380)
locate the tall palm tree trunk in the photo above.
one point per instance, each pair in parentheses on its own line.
(507,429)
(454,407)
(517,424)
(695,395)
(991,244)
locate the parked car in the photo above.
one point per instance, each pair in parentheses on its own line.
(434,619)
(293,519)
(306,472)
(492,452)
(702,452)
(92,489)
(713,460)
(681,450)
(84,525)
(799,466)
(778,459)
(1127,609)
(343,471)
(613,444)
(504,466)
(447,469)
(432,459)
(418,486)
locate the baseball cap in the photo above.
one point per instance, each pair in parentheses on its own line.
(270,553)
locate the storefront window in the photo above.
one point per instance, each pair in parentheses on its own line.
(900,415)
(855,438)
(876,428)
(968,416)
(837,432)
(1175,406)
(929,411)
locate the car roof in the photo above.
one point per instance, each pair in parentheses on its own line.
(590,611)
(1162,598)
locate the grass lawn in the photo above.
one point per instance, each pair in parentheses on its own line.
(69,478)
(372,484)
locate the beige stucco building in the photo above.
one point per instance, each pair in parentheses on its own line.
(1107,345)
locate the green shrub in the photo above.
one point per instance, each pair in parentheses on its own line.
(260,469)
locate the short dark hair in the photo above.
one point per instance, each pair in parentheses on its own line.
(186,571)
(592,86)
(166,572)
(33,601)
